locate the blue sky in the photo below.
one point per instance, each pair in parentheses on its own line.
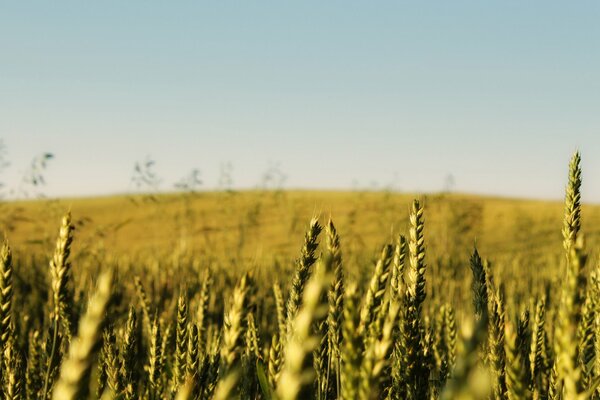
(339,94)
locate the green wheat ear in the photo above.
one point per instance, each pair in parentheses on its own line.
(414,364)
(479,285)
(375,292)
(568,319)
(516,381)
(336,291)
(538,357)
(302,274)
(235,326)
(352,344)
(397,281)
(416,252)
(297,376)
(572,218)
(496,354)
(6,294)
(129,349)
(336,311)
(181,334)
(60,269)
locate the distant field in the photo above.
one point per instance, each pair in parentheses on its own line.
(258,227)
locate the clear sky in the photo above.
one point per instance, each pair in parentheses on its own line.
(339,94)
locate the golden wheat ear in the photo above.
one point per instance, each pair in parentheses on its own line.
(73,381)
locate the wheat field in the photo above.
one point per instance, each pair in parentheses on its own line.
(301,295)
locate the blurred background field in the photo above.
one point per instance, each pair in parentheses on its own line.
(259,228)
